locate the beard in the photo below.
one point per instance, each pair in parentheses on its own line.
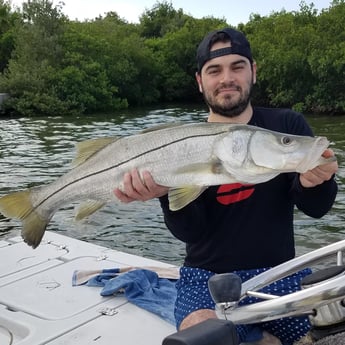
(230,107)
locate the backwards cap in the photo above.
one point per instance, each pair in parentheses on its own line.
(239,45)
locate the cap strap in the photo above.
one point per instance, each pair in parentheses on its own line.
(228,50)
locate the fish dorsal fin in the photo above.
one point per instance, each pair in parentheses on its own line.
(87,148)
(181,197)
(162,126)
(88,208)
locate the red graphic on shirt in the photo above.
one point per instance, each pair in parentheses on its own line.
(230,193)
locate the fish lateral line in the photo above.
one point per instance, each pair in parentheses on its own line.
(119,164)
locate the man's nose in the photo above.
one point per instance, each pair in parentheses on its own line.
(227,76)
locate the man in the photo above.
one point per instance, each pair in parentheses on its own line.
(239,228)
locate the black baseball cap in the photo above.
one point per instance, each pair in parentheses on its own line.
(239,45)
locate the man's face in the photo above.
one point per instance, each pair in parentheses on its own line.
(226,82)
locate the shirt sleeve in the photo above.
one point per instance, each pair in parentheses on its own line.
(316,201)
(187,224)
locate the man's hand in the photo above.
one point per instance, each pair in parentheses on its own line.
(321,173)
(135,188)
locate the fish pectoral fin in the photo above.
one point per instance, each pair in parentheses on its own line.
(214,167)
(19,206)
(181,197)
(87,148)
(88,208)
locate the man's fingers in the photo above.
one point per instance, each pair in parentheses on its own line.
(328,153)
(138,185)
(122,196)
(137,188)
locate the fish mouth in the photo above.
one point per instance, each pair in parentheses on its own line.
(314,157)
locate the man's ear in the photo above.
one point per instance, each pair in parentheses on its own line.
(254,72)
(198,79)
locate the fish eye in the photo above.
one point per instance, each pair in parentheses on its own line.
(286,140)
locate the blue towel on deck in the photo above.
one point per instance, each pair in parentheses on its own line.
(142,287)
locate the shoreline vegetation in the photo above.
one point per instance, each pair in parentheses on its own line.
(51,65)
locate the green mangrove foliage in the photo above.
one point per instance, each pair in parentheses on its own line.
(52,65)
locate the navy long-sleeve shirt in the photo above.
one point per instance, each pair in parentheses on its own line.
(233,227)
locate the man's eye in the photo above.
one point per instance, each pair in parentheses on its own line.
(238,67)
(213,71)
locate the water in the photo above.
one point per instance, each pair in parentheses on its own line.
(313,233)
(36,151)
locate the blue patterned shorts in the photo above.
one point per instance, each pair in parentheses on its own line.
(193,294)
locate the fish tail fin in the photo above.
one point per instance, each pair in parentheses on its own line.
(19,206)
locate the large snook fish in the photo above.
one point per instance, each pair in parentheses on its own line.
(185,157)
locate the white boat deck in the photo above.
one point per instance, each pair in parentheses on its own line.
(39,305)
